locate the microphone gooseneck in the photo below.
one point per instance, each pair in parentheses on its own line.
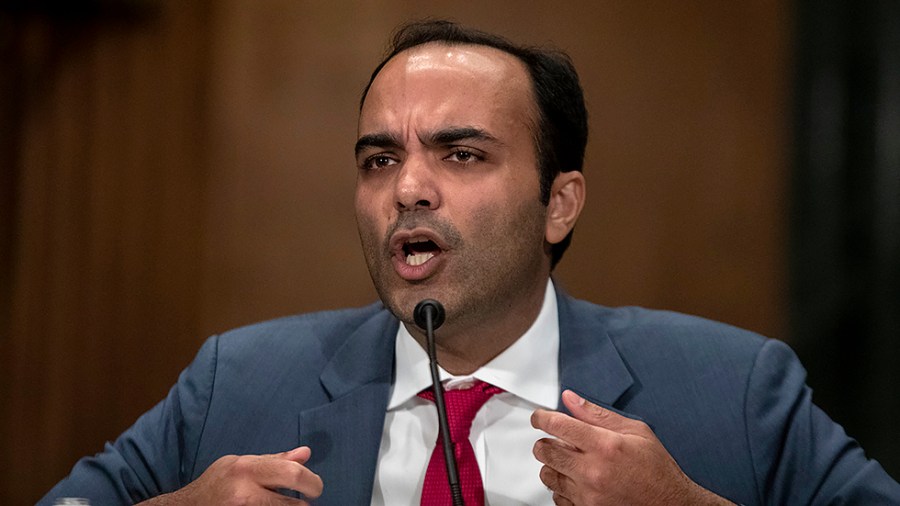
(429,315)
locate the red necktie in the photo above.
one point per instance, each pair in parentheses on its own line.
(462,405)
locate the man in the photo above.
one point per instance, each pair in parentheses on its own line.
(469,159)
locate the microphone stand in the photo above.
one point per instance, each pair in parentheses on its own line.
(429,315)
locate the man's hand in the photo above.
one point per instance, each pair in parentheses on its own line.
(249,479)
(601,457)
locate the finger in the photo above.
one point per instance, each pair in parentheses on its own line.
(597,416)
(274,498)
(559,500)
(576,433)
(274,472)
(299,454)
(557,482)
(556,455)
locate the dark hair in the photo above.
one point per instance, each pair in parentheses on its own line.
(561,131)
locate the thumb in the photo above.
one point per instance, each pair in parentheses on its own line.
(299,454)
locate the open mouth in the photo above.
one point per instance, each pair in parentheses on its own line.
(419,250)
(417,254)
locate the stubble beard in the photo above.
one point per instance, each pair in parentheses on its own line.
(488,274)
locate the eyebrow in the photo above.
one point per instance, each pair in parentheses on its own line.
(456,134)
(379,140)
(437,138)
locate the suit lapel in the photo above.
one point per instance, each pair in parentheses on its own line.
(589,363)
(345,432)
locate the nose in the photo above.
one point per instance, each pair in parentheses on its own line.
(416,186)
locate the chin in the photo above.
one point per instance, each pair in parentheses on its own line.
(399,302)
(402,302)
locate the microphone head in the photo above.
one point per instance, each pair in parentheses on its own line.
(420,314)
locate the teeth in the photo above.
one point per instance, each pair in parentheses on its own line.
(418,258)
(415,240)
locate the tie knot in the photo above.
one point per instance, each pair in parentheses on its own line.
(462,406)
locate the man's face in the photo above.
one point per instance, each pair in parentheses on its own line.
(447,197)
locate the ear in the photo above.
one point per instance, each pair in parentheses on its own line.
(566,202)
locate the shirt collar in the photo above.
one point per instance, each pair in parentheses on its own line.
(529,368)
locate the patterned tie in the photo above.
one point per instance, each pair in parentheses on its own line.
(462,405)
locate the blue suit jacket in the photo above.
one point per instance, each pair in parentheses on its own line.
(730,406)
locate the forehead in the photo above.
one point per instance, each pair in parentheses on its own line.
(449,82)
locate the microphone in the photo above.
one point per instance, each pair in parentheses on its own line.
(429,315)
(429,308)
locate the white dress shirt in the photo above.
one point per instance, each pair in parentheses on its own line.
(502,435)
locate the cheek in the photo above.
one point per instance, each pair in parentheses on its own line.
(495,221)
(373,196)
(366,199)
(365,216)
(519,224)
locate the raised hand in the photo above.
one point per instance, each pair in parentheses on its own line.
(249,480)
(600,457)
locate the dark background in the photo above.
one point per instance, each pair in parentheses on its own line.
(170,169)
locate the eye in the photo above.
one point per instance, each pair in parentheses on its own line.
(463,156)
(376,162)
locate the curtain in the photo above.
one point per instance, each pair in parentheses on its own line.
(845,239)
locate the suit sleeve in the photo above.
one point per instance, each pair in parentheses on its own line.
(155,455)
(800,455)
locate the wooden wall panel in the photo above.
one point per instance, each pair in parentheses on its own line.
(191,169)
(107,272)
